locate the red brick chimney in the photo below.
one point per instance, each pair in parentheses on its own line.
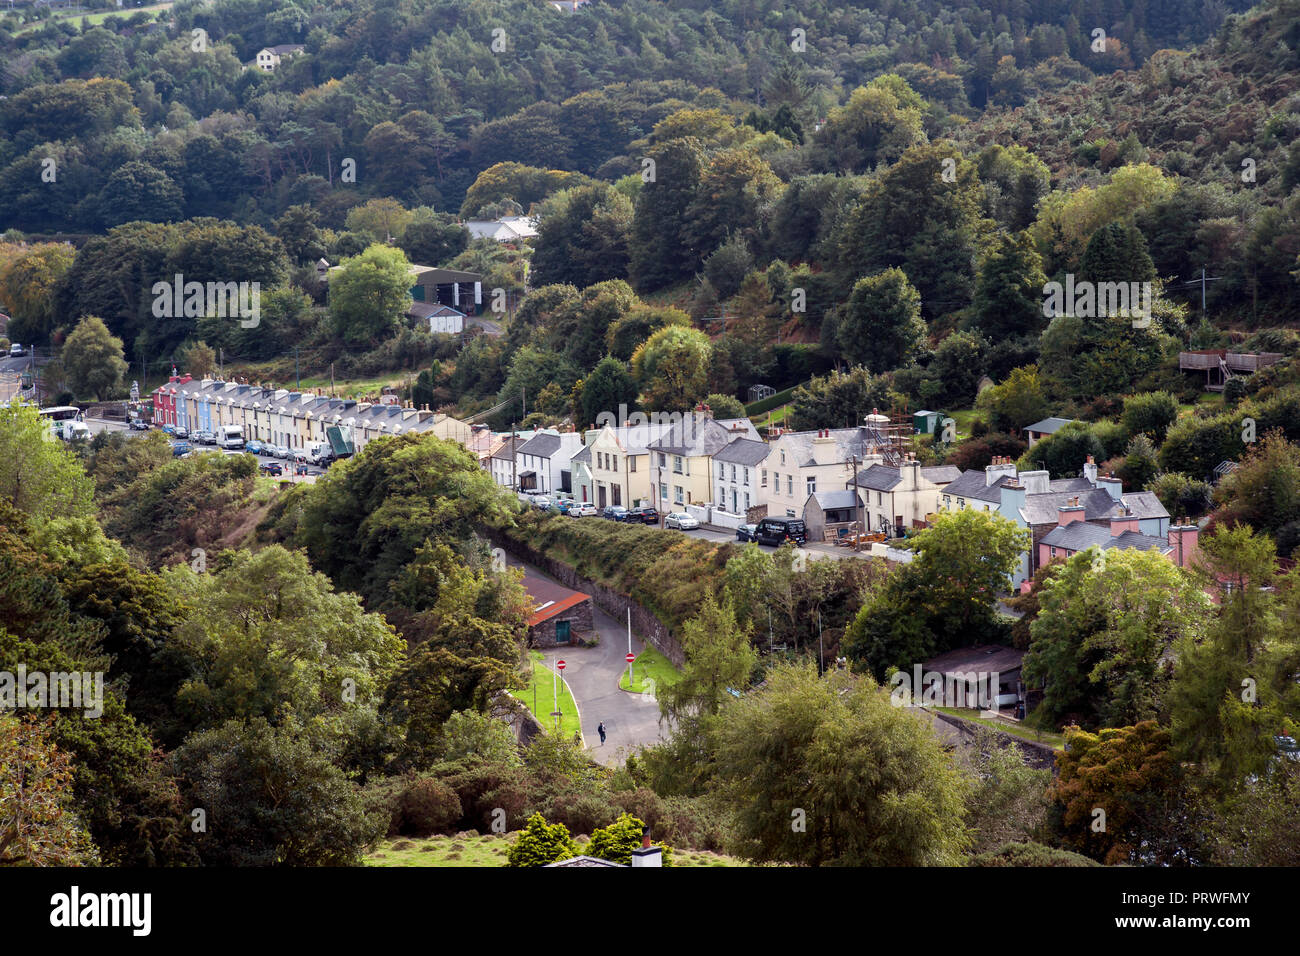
(1184,538)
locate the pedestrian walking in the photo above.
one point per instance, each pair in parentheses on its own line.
(600,729)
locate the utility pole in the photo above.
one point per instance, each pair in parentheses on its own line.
(1202,281)
(820,652)
(296,377)
(333,394)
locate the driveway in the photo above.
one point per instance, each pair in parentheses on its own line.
(592,673)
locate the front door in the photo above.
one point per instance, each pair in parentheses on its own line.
(600,495)
(561,632)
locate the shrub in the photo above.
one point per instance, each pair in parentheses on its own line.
(428,806)
(582,812)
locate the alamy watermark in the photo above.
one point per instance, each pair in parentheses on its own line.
(964,689)
(72,690)
(196,300)
(1088,300)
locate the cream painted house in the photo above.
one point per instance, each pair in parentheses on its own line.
(799,464)
(620,463)
(682,460)
(895,498)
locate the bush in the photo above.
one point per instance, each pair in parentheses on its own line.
(582,812)
(1031,854)
(428,806)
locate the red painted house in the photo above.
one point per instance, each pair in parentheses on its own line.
(164,399)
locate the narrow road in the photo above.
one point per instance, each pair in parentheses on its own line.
(631,720)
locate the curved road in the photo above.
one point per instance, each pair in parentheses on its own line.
(631,720)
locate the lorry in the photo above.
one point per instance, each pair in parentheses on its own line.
(230,436)
(319,453)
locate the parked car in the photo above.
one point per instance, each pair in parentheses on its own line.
(181,432)
(300,468)
(181,448)
(138,425)
(776,531)
(614,512)
(584,510)
(272,468)
(561,506)
(541,501)
(15,350)
(254,447)
(204,438)
(681,521)
(747,532)
(644,515)
(169,429)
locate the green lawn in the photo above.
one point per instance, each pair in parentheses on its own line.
(95,19)
(965,418)
(1015,730)
(491,849)
(653,665)
(542,681)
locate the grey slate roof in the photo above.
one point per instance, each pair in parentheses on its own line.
(1048,426)
(941,474)
(971,484)
(543,446)
(835,500)
(879,478)
(849,442)
(1097,504)
(1078,536)
(583,456)
(743,451)
(694,437)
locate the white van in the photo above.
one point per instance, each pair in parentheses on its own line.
(230,436)
(72,430)
(320,453)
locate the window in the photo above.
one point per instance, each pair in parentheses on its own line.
(789,484)
(663,461)
(631,463)
(614,466)
(747,501)
(722,496)
(789,512)
(746,479)
(763,477)
(663,492)
(677,494)
(880,498)
(1053,552)
(811,481)
(677,464)
(782,456)
(733,472)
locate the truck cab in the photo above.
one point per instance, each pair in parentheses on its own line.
(230,436)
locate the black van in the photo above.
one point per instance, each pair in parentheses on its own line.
(776,531)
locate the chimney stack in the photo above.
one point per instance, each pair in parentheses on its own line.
(647,855)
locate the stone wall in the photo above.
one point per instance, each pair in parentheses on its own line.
(1036,755)
(613,603)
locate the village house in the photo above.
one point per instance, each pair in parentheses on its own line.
(737,468)
(269,58)
(543,462)
(682,459)
(620,463)
(895,498)
(799,464)
(1040,430)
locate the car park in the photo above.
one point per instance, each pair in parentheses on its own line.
(681,521)
(584,510)
(746,532)
(776,531)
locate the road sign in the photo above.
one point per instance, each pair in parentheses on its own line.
(630,658)
(560,664)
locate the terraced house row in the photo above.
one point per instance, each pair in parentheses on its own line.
(295,419)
